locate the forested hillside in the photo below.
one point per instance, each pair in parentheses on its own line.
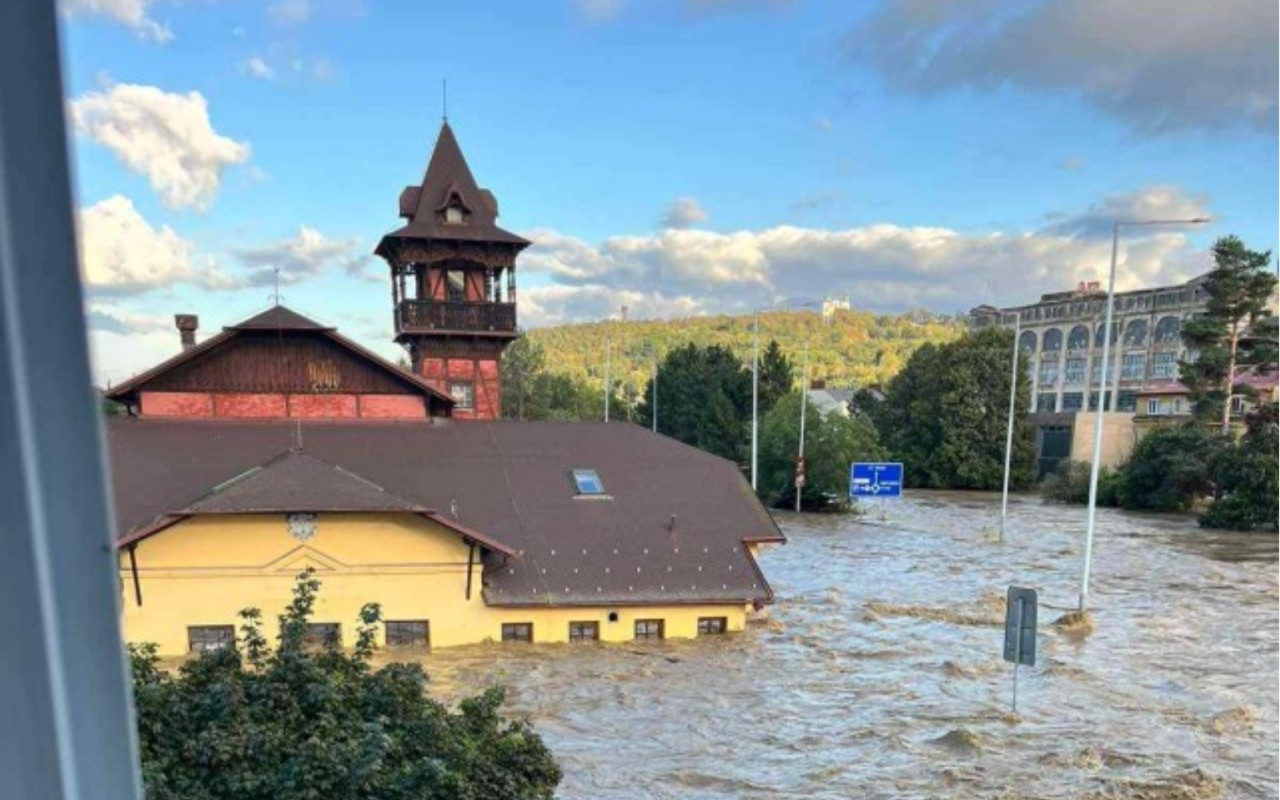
(853,348)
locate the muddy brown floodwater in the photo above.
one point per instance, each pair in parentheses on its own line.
(878,672)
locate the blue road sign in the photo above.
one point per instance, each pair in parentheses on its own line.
(875,480)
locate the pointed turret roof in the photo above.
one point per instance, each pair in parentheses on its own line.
(448,181)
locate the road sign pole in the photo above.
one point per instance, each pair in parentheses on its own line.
(1015,687)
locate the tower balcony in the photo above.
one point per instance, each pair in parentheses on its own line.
(447,316)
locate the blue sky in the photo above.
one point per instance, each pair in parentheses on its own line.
(674,156)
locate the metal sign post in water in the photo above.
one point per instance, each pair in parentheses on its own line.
(1020,632)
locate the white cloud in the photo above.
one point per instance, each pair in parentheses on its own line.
(1204,64)
(881,267)
(130,13)
(683,213)
(258,69)
(289,12)
(304,255)
(165,136)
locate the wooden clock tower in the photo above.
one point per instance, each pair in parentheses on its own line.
(453,282)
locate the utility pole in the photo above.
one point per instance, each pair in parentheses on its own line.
(607,388)
(1008,439)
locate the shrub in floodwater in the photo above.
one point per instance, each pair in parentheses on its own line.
(251,723)
(1070,485)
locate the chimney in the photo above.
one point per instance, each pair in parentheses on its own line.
(187,325)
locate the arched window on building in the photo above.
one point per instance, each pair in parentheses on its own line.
(1168,330)
(1027,342)
(1135,335)
(1097,335)
(1052,341)
(1079,338)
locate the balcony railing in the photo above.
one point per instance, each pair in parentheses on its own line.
(443,315)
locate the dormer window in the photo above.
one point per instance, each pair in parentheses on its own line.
(454,215)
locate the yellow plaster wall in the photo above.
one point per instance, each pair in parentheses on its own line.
(205,570)
(1118,437)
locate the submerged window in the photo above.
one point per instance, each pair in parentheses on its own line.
(587,481)
(710,626)
(648,629)
(517,631)
(584,631)
(410,633)
(205,638)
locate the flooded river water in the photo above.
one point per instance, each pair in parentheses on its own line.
(878,672)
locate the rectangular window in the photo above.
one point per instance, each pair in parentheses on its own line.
(517,631)
(1096,370)
(1046,402)
(648,629)
(584,631)
(1126,401)
(710,626)
(1134,367)
(457,286)
(1048,373)
(1153,406)
(1237,404)
(1093,400)
(463,395)
(323,634)
(205,638)
(409,633)
(1164,365)
(1072,401)
(587,481)
(1075,370)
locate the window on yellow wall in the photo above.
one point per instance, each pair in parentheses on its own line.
(323,634)
(517,631)
(409,633)
(584,631)
(710,626)
(649,629)
(206,638)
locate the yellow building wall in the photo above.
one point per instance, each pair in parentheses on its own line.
(204,570)
(1119,435)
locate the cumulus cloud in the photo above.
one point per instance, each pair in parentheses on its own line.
(881,267)
(165,136)
(1194,64)
(122,253)
(130,13)
(300,257)
(683,213)
(110,320)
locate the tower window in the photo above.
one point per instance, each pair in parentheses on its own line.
(463,395)
(453,215)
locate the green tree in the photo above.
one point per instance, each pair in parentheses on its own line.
(1249,478)
(777,376)
(830,446)
(522,363)
(704,399)
(1239,287)
(1170,469)
(294,723)
(944,414)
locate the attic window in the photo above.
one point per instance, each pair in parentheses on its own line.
(588,482)
(454,215)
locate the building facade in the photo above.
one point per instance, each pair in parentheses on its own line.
(1062,338)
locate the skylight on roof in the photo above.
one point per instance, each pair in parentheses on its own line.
(587,481)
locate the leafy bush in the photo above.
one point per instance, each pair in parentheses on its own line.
(1249,478)
(297,724)
(1169,469)
(1070,485)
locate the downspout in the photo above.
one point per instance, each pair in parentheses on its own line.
(471,555)
(133,568)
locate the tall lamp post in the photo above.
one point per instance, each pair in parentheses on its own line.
(1008,440)
(1098,418)
(804,401)
(755,382)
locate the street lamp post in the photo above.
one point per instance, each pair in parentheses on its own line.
(1098,415)
(1008,440)
(755,398)
(804,401)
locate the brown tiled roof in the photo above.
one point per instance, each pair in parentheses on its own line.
(510,483)
(448,175)
(282,319)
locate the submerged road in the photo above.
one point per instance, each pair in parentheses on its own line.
(878,671)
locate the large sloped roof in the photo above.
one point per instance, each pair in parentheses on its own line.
(672,529)
(448,177)
(276,318)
